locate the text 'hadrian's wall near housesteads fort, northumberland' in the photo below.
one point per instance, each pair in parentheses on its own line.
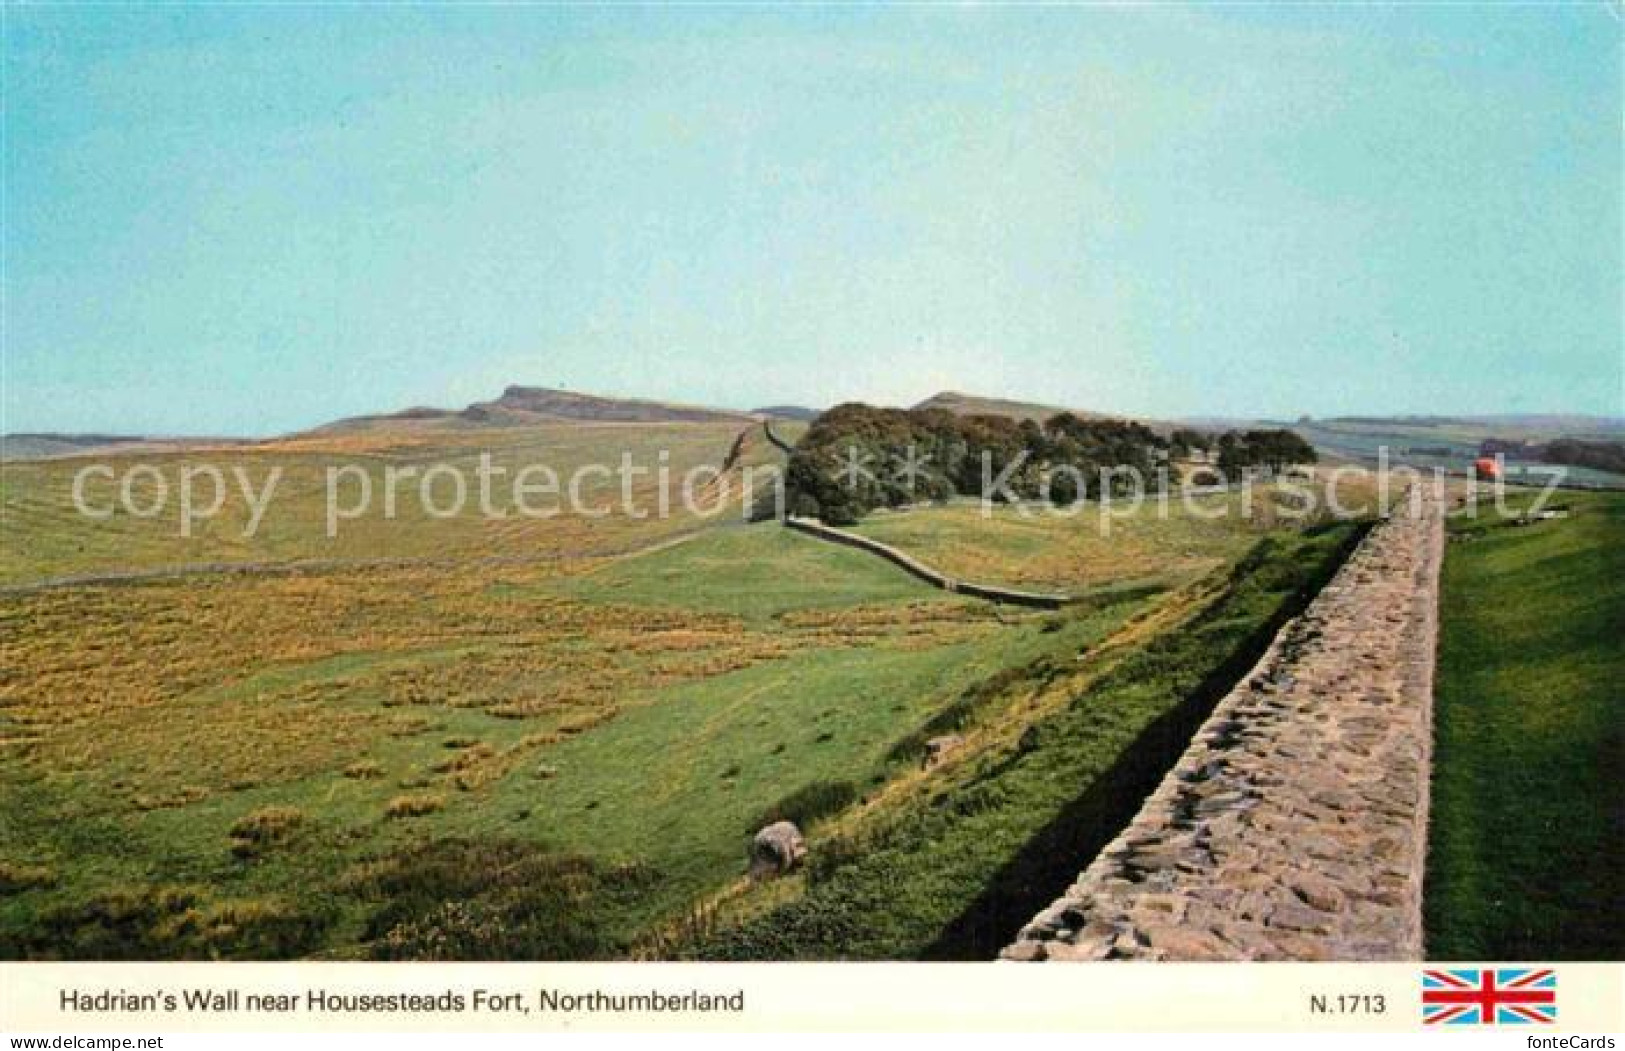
(1295,825)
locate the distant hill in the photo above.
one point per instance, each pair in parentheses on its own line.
(1588,447)
(50,446)
(538,404)
(961,404)
(47,446)
(788,412)
(521,406)
(974,405)
(1534,424)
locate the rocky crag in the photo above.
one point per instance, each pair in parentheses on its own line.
(1295,825)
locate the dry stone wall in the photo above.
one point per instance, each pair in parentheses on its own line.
(931,576)
(1295,825)
(779,443)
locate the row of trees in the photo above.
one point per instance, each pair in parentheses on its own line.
(1598,455)
(856,458)
(1240,452)
(1570,452)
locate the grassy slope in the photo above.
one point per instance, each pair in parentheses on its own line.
(681,782)
(143,723)
(1527,857)
(951,869)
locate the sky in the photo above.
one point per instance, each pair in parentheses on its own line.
(255,219)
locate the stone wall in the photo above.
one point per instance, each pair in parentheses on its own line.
(914,566)
(782,445)
(1295,825)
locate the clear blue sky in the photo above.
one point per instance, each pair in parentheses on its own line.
(255,219)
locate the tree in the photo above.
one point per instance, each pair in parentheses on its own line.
(1184,439)
(1273,450)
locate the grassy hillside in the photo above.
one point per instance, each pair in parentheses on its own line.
(43,536)
(527,738)
(1527,857)
(1061,753)
(327,763)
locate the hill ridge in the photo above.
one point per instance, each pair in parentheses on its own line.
(520,404)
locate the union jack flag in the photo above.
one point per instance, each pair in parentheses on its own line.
(1489,996)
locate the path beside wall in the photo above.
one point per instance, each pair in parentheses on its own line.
(1295,825)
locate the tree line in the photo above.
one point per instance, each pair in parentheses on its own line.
(1569,452)
(856,458)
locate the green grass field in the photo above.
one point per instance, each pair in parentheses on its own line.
(1527,858)
(756,573)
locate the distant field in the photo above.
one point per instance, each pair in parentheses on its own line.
(1527,857)
(1446,446)
(1089,550)
(42,535)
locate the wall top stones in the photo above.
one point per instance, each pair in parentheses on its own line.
(1295,825)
